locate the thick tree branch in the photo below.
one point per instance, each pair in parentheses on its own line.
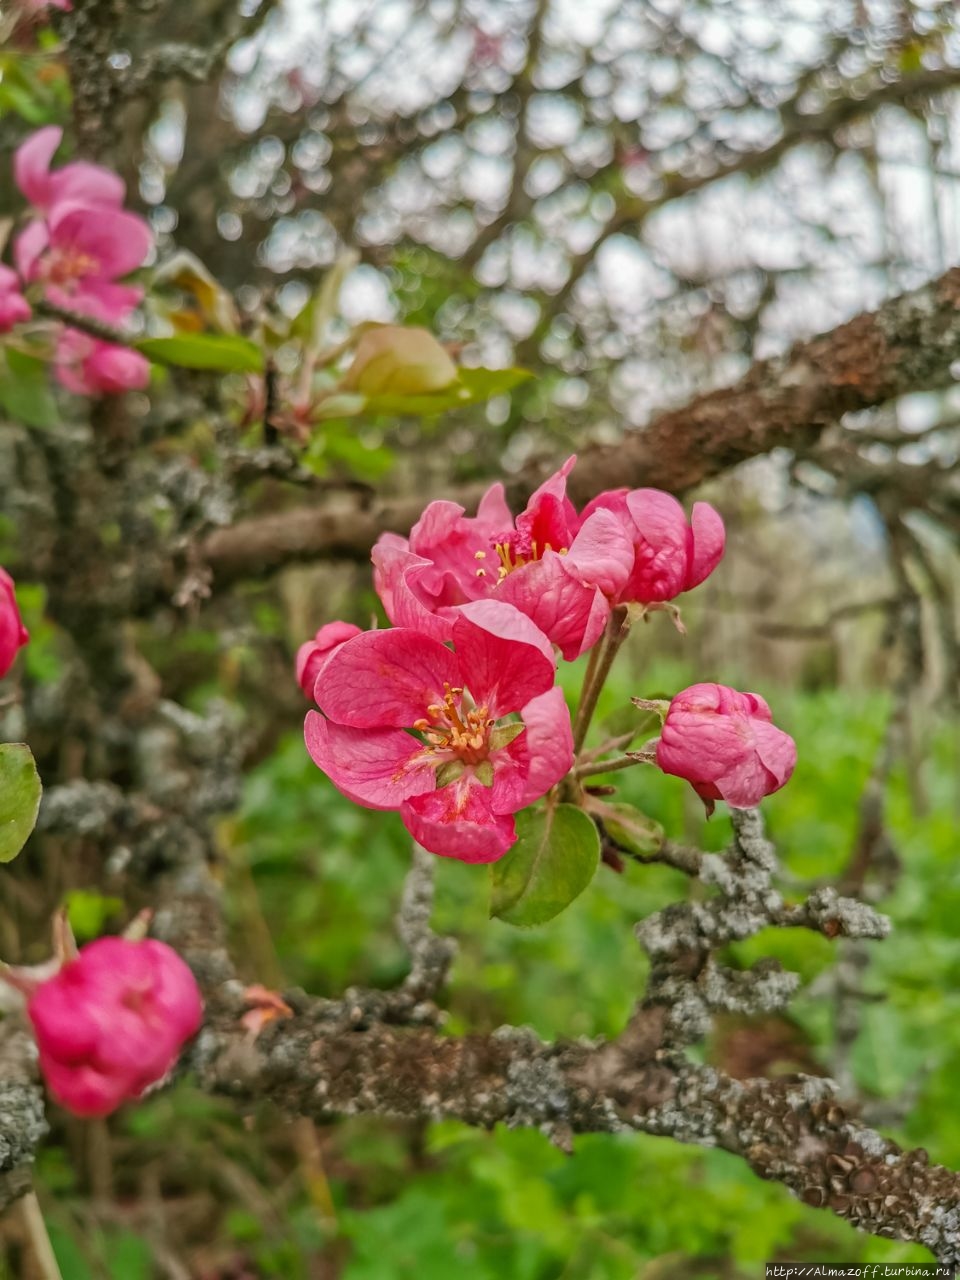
(791,1130)
(909,344)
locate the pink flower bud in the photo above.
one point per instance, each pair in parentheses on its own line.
(670,555)
(724,744)
(112,1022)
(88,367)
(13,634)
(313,655)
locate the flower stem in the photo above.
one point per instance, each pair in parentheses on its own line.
(601,660)
(592,768)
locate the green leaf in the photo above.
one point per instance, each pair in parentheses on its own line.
(630,829)
(25,390)
(554,859)
(471,387)
(483,384)
(20,791)
(89,912)
(219,352)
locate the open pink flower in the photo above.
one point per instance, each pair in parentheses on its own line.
(79,252)
(112,1022)
(13,634)
(558,569)
(14,308)
(723,742)
(670,555)
(313,654)
(78,180)
(460,777)
(89,367)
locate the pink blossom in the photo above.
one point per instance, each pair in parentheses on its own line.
(112,1022)
(723,742)
(13,634)
(313,654)
(89,367)
(458,784)
(670,556)
(14,308)
(78,253)
(555,567)
(75,181)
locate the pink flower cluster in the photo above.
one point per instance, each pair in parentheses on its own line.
(75,251)
(13,634)
(452,715)
(562,569)
(111,1022)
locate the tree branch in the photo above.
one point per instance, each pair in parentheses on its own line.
(908,344)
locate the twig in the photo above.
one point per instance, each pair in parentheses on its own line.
(36,1231)
(431,955)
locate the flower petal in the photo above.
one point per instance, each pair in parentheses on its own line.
(545,750)
(377,768)
(397,575)
(709,540)
(90,183)
(457,821)
(31,164)
(493,511)
(116,241)
(384,679)
(571,614)
(601,554)
(662,546)
(28,246)
(505,659)
(777,750)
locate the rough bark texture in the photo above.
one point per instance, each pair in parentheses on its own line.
(910,343)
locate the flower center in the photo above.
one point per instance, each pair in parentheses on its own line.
(514,550)
(61,266)
(449,726)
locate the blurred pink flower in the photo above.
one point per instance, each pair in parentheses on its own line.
(313,654)
(13,634)
(554,566)
(724,744)
(14,308)
(89,367)
(78,180)
(670,555)
(79,252)
(112,1022)
(458,784)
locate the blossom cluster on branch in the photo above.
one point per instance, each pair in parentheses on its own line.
(453,715)
(73,253)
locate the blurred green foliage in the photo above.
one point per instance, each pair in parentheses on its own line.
(313,885)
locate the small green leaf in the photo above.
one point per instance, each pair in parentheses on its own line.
(554,859)
(630,829)
(218,352)
(483,384)
(19,797)
(89,912)
(449,772)
(472,386)
(484,773)
(503,736)
(25,390)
